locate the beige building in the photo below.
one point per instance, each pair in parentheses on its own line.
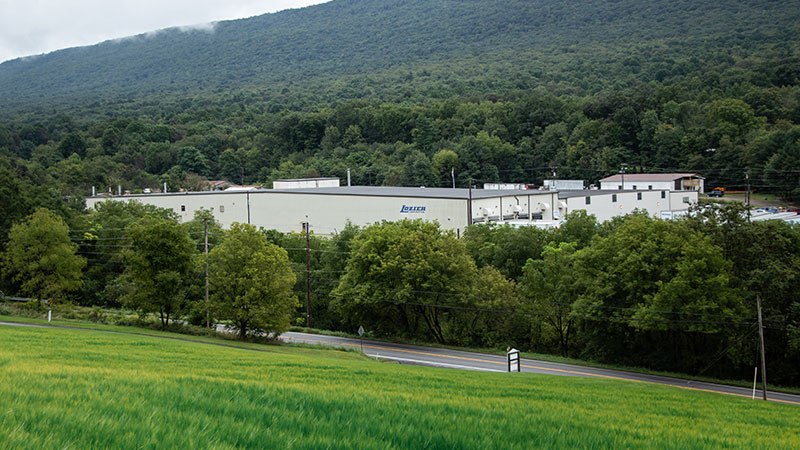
(328,209)
(654,181)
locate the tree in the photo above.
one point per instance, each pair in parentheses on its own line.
(655,278)
(190,159)
(549,285)
(401,273)
(41,257)
(443,162)
(251,282)
(158,267)
(504,247)
(72,143)
(104,237)
(578,227)
(231,165)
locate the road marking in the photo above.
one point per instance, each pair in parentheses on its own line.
(455,366)
(574,372)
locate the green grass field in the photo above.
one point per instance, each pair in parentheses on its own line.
(90,389)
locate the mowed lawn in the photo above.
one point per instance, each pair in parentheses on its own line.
(88,389)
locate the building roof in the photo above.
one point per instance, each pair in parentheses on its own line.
(650,177)
(408,192)
(411,192)
(593,192)
(372,191)
(308,179)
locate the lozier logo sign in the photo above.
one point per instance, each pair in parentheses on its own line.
(412,209)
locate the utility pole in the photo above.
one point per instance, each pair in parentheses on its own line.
(469,205)
(747,194)
(453,176)
(763,363)
(205,239)
(308,275)
(622,169)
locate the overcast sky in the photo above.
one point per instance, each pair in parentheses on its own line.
(32,27)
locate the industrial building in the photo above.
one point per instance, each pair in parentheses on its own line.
(328,209)
(654,181)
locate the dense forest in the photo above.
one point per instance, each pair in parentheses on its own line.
(401,92)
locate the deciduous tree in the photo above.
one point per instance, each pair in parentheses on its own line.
(251,282)
(158,267)
(42,259)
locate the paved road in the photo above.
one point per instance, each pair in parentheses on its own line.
(455,359)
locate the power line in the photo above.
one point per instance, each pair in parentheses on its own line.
(537,314)
(523,300)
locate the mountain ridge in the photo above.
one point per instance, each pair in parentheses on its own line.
(346,38)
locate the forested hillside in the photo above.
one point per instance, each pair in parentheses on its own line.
(416,49)
(403,92)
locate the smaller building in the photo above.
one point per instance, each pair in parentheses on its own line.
(218,185)
(505,186)
(242,187)
(565,185)
(653,182)
(305,183)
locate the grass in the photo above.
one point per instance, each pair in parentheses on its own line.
(220,339)
(77,388)
(757,200)
(229,340)
(565,360)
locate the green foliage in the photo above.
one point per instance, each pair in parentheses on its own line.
(400,93)
(251,281)
(158,267)
(172,393)
(41,258)
(400,273)
(504,247)
(549,284)
(101,236)
(658,276)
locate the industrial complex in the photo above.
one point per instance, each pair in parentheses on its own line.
(327,209)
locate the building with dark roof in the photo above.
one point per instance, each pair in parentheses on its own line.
(329,209)
(654,181)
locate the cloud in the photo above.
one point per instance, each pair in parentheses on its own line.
(206,27)
(32,27)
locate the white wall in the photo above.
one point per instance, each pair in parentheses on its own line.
(530,201)
(603,206)
(303,184)
(286,212)
(328,214)
(228,207)
(678,199)
(697,184)
(638,185)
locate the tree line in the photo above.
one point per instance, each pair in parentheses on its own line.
(723,130)
(152,267)
(667,295)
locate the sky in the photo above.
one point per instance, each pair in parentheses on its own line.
(32,27)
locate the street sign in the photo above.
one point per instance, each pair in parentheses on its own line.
(513,360)
(360,331)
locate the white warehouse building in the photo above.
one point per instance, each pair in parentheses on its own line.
(654,181)
(328,209)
